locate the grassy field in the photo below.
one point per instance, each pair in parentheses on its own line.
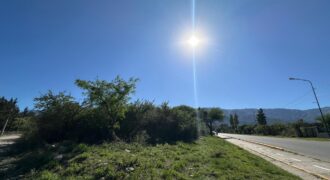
(208,158)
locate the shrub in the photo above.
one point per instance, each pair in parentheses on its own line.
(110,99)
(105,114)
(277,129)
(164,124)
(8,113)
(246,129)
(136,119)
(92,126)
(57,115)
(262,129)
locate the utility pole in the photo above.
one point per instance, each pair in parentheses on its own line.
(317,101)
(4,127)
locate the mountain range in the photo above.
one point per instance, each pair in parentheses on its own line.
(278,115)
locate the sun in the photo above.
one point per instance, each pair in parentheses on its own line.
(193,41)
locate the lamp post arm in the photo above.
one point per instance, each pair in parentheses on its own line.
(317,101)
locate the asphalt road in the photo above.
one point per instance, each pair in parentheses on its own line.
(316,149)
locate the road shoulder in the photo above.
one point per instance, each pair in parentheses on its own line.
(302,166)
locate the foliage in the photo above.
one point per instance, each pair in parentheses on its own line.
(224,128)
(207,158)
(165,124)
(278,129)
(57,115)
(233,120)
(246,129)
(297,125)
(108,98)
(211,116)
(106,114)
(262,129)
(8,112)
(261,117)
(326,122)
(136,120)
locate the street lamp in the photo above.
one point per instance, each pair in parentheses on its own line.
(317,101)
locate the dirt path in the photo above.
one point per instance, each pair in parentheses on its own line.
(9,139)
(6,161)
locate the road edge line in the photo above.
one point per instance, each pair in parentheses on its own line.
(276,147)
(288,164)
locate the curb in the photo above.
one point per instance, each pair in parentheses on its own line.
(275,147)
(282,149)
(288,164)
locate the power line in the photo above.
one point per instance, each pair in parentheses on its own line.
(294,101)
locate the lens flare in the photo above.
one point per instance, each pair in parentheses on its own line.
(193,41)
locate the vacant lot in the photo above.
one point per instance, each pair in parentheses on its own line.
(208,158)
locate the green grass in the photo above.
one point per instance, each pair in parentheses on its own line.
(208,158)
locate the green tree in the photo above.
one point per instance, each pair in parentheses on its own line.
(236,122)
(136,119)
(56,115)
(326,119)
(297,125)
(109,98)
(211,116)
(261,117)
(8,113)
(231,121)
(246,129)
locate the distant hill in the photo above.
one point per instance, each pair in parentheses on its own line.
(247,116)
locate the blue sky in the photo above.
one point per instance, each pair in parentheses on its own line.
(252,48)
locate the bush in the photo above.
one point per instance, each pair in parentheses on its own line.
(136,119)
(246,129)
(57,116)
(105,114)
(30,138)
(277,129)
(168,125)
(92,127)
(8,113)
(262,129)
(147,122)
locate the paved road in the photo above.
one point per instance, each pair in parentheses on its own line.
(316,149)
(301,165)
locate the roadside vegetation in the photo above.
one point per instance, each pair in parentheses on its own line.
(206,158)
(261,127)
(108,136)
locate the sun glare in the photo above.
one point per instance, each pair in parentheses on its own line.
(193,41)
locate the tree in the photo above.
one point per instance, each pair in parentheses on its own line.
(297,125)
(186,123)
(231,121)
(136,119)
(236,122)
(8,112)
(56,115)
(246,129)
(211,116)
(108,98)
(326,119)
(26,113)
(261,117)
